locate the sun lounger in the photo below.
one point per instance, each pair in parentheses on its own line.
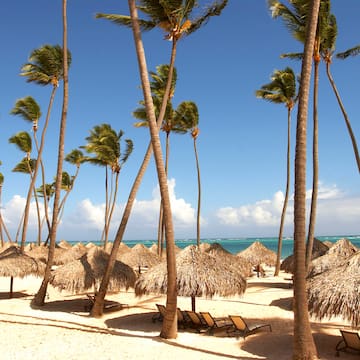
(159,316)
(196,321)
(240,328)
(108,304)
(350,341)
(215,323)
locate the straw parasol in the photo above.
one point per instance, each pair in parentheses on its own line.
(69,254)
(319,249)
(139,257)
(87,272)
(198,274)
(335,256)
(257,253)
(336,292)
(14,263)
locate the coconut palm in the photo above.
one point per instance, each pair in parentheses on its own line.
(187,114)
(23,142)
(304,346)
(155,11)
(282,90)
(327,52)
(104,143)
(59,64)
(44,68)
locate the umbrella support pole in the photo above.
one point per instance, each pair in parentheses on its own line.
(193,303)
(11,287)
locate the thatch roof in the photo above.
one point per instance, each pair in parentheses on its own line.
(336,292)
(319,249)
(335,256)
(139,256)
(257,253)
(69,254)
(14,263)
(87,272)
(198,274)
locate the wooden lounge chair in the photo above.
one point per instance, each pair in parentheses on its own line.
(215,323)
(109,305)
(240,328)
(196,321)
(350,341)
(159,316)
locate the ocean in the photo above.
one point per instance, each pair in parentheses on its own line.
(235,245)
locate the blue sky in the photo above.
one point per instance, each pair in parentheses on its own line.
(242,144)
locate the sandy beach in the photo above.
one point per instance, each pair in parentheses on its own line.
(63,329)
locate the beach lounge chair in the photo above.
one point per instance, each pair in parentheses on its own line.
(350,341)
(240,328)
(215,323)
(109,305)
(159,316)
(196,321)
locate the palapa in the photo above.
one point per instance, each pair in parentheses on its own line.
(87,272)
(336,292)
(198,274)
(139,257)
(335,256)
(257,253)
(15,263)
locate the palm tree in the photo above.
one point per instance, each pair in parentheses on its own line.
(158,14)
(23,142)
(327,52)
(2,222)
(304,346)
(29,110)
(187,114)
(60,70)
(104,143)
(44,67)
(282,90)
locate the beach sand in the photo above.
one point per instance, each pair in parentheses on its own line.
(63,329)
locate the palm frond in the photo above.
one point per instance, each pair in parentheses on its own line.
(125,20)
(354,51)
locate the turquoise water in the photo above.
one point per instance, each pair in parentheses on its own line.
(234,245)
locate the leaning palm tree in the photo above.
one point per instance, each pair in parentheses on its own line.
(304,346)
(281,90)
(2,222)
(327,52)
(23,142)
(156,17)
(60,70)
(44,68)
(104,143)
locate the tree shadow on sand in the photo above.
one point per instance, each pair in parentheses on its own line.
(15,295)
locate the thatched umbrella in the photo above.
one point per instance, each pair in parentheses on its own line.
(15,263)
(335,256)
(319,249)
(139,256)
(87,272)
(198,274)
(258,253)
(215,249)
(73,253)
(336,292)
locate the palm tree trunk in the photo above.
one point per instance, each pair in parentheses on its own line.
(304,346)
(97,309)
(39,298)
(199,195)
(314,194)
(286,199)
(346,118)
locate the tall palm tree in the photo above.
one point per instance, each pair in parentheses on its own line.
(30,111)
(295,18)
(187,114)
(60,70)
(157,14)
(104,143)
(44,68)
(327,52)
(304,346)
(282,90)
(2,222)
(23,142)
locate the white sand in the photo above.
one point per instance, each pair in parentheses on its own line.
(62,329)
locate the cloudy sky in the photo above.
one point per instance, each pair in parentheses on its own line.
(242,142)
